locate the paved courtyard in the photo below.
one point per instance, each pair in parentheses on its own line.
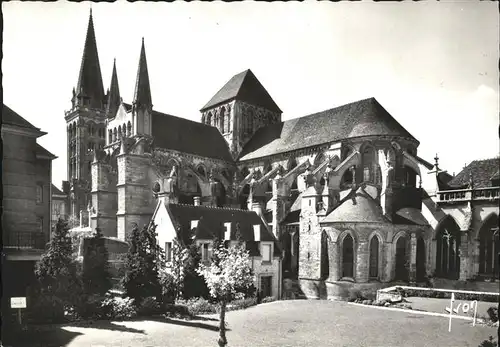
(284,323)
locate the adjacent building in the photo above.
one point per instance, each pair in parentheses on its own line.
(26,218)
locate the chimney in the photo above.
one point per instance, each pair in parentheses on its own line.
(196,201)
(256,232)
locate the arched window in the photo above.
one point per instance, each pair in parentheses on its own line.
(374,257)
(119,131)
(348,257)
(401,260)
(209,118)
(369,165)
(420,259)
(222,118)
(489,247)
(110,136)
(115,135)
(129,129)
(227,121)
(409,177)
(201,171)
(447,246)
(124,128)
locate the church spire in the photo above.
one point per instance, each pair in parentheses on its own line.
(90,90)
(114,93)
(142,94)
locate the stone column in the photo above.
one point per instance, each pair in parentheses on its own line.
(413,259)
(333,261)
(389,261)
(362,260)
(464,258)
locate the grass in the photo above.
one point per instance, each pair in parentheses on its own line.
(283,323)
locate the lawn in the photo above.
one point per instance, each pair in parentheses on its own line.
(283,323)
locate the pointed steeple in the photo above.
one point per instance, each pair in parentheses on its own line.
(142,94)
(90,90)
(114,98)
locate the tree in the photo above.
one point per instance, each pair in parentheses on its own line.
(96,278)
(56,271)
(180,256)
(228,277)
(144,261)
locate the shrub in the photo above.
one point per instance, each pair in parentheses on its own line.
(493,313)
(119,308)
(268,299)
(242,304)
(46,309)
(148,307)
(177,311)
(198,306)
(168,287)
(91,307)
(489,343)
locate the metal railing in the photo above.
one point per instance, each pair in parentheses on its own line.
(24,240)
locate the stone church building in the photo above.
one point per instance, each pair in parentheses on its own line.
(340,189)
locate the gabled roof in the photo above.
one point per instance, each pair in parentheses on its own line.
(358,207)
(212,219)
(358,119)
(186,136)
(43,153)
(482,172)
(11,117)
(57,191)
(244,87)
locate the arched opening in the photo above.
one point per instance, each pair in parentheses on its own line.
(489,248)
(209,118)
(447,246)
(129,129)
(124,128)
(420,259)
(347,179)
(348,257)
(370,167)
(245,191)
(115,135)
(119,131)
(409,177)
(220,194)
(325,263)
(401,273)
(374,257)
(222,118)
(201,171)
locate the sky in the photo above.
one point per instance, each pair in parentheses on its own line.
(433,65)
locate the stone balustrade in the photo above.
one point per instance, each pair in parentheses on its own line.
(489,193)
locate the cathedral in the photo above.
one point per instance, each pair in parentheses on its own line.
(340,190)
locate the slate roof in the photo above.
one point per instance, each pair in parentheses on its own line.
(483,171)
(43,152)
(184,135)
(11,117)
(356,208)
(410,216)
(361,118)
(244,87)
(56,191)
(212,219)
(170,132)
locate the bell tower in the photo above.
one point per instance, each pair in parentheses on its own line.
(86,123)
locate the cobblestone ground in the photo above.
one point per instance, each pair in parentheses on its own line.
(284,323)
